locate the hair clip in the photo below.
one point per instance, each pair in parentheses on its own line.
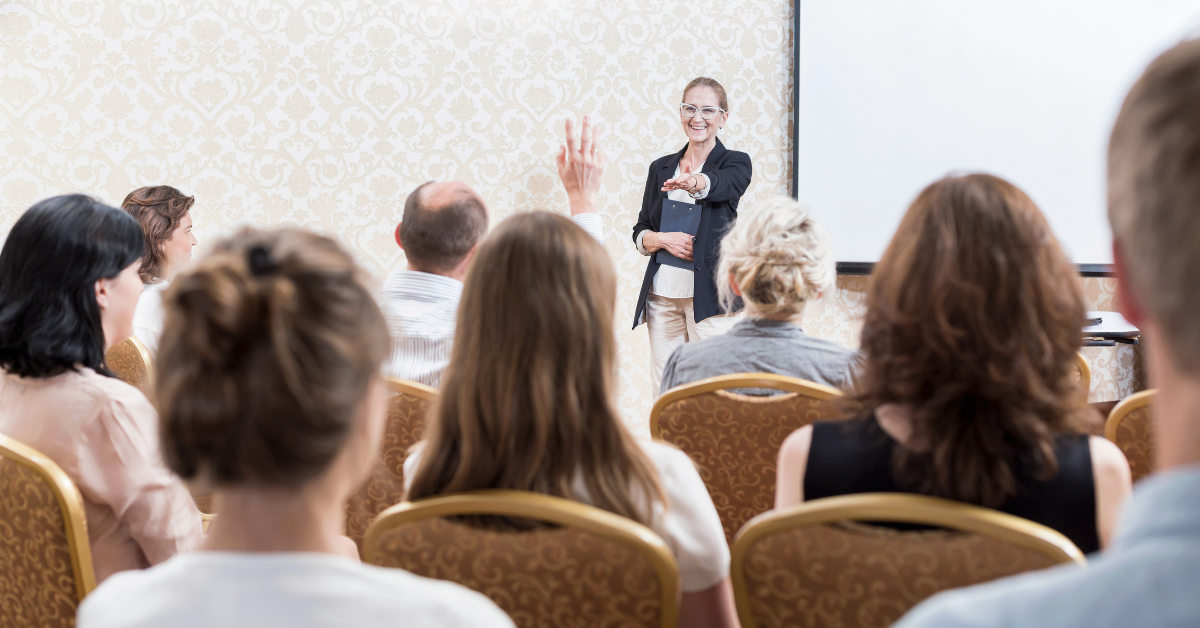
(261,262)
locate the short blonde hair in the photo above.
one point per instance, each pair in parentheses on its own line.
(779,257)
(1154,195)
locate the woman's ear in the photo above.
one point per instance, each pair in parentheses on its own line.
(103,296)
(733,285)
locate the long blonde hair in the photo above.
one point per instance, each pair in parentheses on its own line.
(527,401)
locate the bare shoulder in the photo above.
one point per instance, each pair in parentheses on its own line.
(796,446)
(1107,460)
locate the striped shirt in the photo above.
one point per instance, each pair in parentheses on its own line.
(421,311)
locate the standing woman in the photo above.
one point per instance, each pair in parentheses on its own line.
(164,214)
(681,305)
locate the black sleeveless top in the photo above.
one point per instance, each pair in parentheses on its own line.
(856,456)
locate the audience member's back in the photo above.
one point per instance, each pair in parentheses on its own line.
(776,258)
(968,382)
(527,404)
(441,225)
(1149,576)
(68,288)
(269,387)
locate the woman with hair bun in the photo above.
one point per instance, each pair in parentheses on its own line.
(68,287)
(777,259)
(269,388)
(166,219)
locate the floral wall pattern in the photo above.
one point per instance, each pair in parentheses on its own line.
(325,113)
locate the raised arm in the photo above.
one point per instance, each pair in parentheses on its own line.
(581,169)
(731,179)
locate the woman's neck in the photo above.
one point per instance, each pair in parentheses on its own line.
(696,153)
(309,519)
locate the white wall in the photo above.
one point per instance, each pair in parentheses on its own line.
(894,95)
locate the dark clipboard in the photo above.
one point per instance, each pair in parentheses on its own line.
(678,217)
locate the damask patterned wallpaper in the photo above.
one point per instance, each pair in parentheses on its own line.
(325,113)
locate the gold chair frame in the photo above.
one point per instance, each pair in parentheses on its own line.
(898,508)
(555,510)
(70,502)
(1136,401)
(415,389)
(1121,411)
(1085,375)
(736,381)
(144,354)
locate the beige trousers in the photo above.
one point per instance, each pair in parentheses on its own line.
(672,322)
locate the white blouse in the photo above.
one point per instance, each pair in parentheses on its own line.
(148,316)
(284,589)
(689,523)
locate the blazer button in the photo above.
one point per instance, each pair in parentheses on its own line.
(697,265)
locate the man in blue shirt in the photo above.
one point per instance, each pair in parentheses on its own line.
(1150,575)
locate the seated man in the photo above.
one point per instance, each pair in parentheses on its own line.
(442,223)
(1148,576)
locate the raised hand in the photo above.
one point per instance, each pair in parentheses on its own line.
(581,166)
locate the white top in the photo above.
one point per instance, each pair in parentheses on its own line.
(671,281)
(690,525)
(284,590)
(148,316)
(421,310)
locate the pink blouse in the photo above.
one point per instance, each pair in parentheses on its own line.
(104,434)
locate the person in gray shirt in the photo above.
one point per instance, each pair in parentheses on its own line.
(776,258)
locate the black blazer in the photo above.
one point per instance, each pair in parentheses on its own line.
(728,174)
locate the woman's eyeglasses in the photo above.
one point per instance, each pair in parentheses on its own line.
(708,113)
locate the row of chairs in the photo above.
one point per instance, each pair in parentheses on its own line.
(589,566)
(816,564)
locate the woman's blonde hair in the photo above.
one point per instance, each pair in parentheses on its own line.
(779,257)
(527,400)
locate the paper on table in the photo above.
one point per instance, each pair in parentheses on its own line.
(1112,325)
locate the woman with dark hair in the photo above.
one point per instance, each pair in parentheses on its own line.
(527,404)
(968,386)
(269,386)
(165,216)
(68,287)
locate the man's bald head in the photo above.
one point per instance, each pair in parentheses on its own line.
(442,223)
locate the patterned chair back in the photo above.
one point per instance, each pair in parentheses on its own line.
(130,361)
(734,439)
(407,408)
(1130,427)
(589,568)
(45,560)
(816,564)
(1085,376)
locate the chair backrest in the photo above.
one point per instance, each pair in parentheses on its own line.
(590,568)
(734,439)
(1085,376)
(1130,427)
(817,564)
(45,560)
(409,404)
(131,362)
